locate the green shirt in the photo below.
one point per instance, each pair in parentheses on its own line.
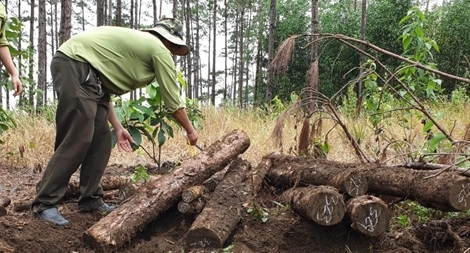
(127,59)
(3,24)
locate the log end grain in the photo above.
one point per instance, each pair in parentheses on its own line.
(356,185)
(91,240)
(203,238)
(369,215)
(328,208)
(459,195)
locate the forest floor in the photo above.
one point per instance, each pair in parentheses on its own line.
(282,232)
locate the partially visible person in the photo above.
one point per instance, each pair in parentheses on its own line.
(86,70)
(5,56)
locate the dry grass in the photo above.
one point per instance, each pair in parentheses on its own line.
(31,143)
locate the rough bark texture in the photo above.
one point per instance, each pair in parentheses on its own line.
(290,171)
(368,215)
(322,204)
(259,174)
(151,200)
(220,216)
(447,191)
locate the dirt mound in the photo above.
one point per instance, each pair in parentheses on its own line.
(282,231)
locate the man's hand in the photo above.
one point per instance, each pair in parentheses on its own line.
(17,85)
(192,137)
(124,140)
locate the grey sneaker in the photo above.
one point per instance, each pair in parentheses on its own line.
(106,208)
(53,215)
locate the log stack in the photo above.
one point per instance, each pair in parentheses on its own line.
(155,197)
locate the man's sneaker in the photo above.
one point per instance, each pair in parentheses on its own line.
(53,215)
(106,208)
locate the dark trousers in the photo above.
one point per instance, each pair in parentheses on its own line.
(83,137)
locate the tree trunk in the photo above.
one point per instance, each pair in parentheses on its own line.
(31,56)
(290,171)
(322,204)
(158,196)
(272,36)
(42,55)
(220,216)
(100,18)
(368,215)
(65,21)
(447,191)
(214,53)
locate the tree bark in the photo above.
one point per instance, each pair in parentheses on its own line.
(322,204)
(156,197)
(290,171)
(65,21)
(220,216)
(447,191)
(368,215)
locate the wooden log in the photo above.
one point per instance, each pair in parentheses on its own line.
(193,193)
(288,171)
(368,215)
(447,191)
(155,197)
(322,204)
(193,207)
(220,216)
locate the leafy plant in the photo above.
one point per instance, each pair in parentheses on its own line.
(6,122)
(258,212)
(140,174)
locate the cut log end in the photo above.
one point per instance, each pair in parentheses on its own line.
(369,215)
(356,185)
(203,238)
(193,193)
(459,196)
(328,209)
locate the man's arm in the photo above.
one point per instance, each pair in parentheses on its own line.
(181,117)
(124,139)
(5,58)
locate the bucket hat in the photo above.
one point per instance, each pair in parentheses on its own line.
(172,30)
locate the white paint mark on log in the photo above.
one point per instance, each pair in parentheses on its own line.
(354,186)
(464,194)
(327,209)
(372,219)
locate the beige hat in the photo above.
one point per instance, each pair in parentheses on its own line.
(172,30)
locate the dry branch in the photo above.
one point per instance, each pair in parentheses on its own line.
(154,198)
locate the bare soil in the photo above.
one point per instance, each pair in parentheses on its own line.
(282,232)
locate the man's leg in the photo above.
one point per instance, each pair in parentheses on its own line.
(96,160)
(76,111)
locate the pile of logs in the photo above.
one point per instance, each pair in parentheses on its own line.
(216,184)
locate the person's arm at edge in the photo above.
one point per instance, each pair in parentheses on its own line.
(123,138)
(5,58)
(181,117)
